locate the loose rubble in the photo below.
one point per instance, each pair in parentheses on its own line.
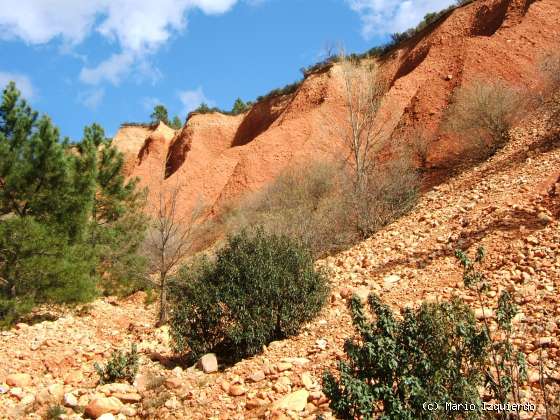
(509,204)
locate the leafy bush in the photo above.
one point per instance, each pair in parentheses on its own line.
(121,367)
(506,370)
(203,108)
(434,354)
(437,353)
(260,288)
(482,114)
(239,107)
(286,90)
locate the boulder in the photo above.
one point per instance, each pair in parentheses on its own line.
(236,390)
(99,406)
(295,401)
(257,376)
(20,380)
(70,400)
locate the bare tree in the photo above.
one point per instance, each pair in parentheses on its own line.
(170,239)
(362,95)
(363,92)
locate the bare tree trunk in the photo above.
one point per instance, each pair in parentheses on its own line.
(362,96)
(163,315)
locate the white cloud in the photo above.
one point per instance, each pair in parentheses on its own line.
(380,17)
(191,99)
(139,27)
(112,69)
(23,83)
(92,99)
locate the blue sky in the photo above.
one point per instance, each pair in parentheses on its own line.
(110,61)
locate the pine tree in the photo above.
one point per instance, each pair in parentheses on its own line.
(239,107)
(39,174)
(68,216)
(117,223)
(160,114)
(46,192)
(176,123)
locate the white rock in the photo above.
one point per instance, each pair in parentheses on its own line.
(393,278)
(208,363)
(296,401)
(70,400)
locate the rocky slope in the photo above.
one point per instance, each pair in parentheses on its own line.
(509,204)
(216,158)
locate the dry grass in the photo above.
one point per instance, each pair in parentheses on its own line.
(482,114)
(319,206)
(550,67)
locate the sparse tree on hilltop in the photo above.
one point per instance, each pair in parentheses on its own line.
(160,114)
(239,107)
(176,123)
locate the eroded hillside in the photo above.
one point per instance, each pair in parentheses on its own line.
(216,158)
(509,204)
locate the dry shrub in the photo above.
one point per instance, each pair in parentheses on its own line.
(550,67)
(391,191)
(302,204)
(319,206)
(482,114)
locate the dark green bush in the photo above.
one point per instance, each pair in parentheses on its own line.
(286,90)
(506,369)
(434,354)
(121,367)
(38,265)
(260,288)
(239,107)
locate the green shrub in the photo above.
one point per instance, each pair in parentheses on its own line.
(11,310)
(286,90)
(434,354)
(239,107)
(203,108)
(38,265)
(121,367)
(260,288)
(55,412)
(506,368)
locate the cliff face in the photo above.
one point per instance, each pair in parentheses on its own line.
(216,158)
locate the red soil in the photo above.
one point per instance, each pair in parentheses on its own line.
(217,158)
